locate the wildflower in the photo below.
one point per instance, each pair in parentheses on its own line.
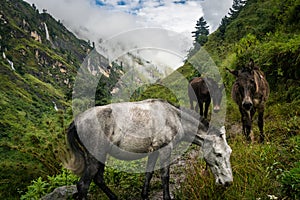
(272,196)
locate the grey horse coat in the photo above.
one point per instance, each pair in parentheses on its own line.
(132,130)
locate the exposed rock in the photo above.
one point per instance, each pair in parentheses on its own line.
(61,193)
(36,36)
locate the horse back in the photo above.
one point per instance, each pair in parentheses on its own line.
(262,86)
(199,88)
(137,127)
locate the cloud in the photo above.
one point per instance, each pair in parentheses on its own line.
(214,11)
(102,20)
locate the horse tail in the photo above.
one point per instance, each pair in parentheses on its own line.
(76,160)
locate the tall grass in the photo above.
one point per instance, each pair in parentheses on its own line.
(257,171)
(260,171)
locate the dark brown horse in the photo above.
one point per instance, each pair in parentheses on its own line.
(202,90)
(250,91)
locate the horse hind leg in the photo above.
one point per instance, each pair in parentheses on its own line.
(99,180)
(83,185)
(165,172)
(149,173)
(200,105)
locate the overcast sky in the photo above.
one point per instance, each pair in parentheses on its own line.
(101,20)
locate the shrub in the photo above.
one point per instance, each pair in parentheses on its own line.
(291,182)
(40,187)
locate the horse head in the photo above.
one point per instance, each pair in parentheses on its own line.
(245,85)
(217,153)
(215,92)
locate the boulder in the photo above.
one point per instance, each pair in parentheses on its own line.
(61,193)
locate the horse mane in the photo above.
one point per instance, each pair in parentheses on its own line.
(190,112)
(195,115)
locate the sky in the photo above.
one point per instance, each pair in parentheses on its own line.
(104,21)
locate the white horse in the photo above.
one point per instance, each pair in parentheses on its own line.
(132,130)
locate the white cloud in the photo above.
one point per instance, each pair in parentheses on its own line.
(180,18)
(94,22)
(214,11)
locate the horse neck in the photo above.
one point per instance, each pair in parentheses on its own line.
(191,125)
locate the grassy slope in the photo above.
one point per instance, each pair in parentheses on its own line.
(258,168)
(266,31)
(31,131)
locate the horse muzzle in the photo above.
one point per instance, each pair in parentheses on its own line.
(216,108)
(247,105)
(224,184)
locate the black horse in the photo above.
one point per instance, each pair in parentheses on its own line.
(250,92)
(202,90)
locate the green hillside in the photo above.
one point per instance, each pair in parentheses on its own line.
(269,32)
(36,73)
(39,59)
(46,56)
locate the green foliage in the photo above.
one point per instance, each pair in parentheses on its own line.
(36,190)
(291,182)
(122,177)
(262,31)
(40,187)
(32,132)
(32,136)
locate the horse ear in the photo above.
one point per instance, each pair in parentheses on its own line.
(251,63)
(223,130)
(234,72)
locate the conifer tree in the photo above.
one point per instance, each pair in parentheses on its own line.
(201,32)
(236,8)
(233,13)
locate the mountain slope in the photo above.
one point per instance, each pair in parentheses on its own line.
(267,31)
(39,59)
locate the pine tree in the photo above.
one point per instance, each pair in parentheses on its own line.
(233,13)
(236,8)
(201,32)
(222,28)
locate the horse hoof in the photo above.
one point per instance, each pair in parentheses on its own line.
(75,196)
(205,173)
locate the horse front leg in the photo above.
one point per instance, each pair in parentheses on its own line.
(165,176)
(206,109)
(247,124)
(261,126)
(201,108)
(86,179)
(252,112)
(148,174)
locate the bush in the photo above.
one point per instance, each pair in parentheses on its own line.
(40,187)
(291,182)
